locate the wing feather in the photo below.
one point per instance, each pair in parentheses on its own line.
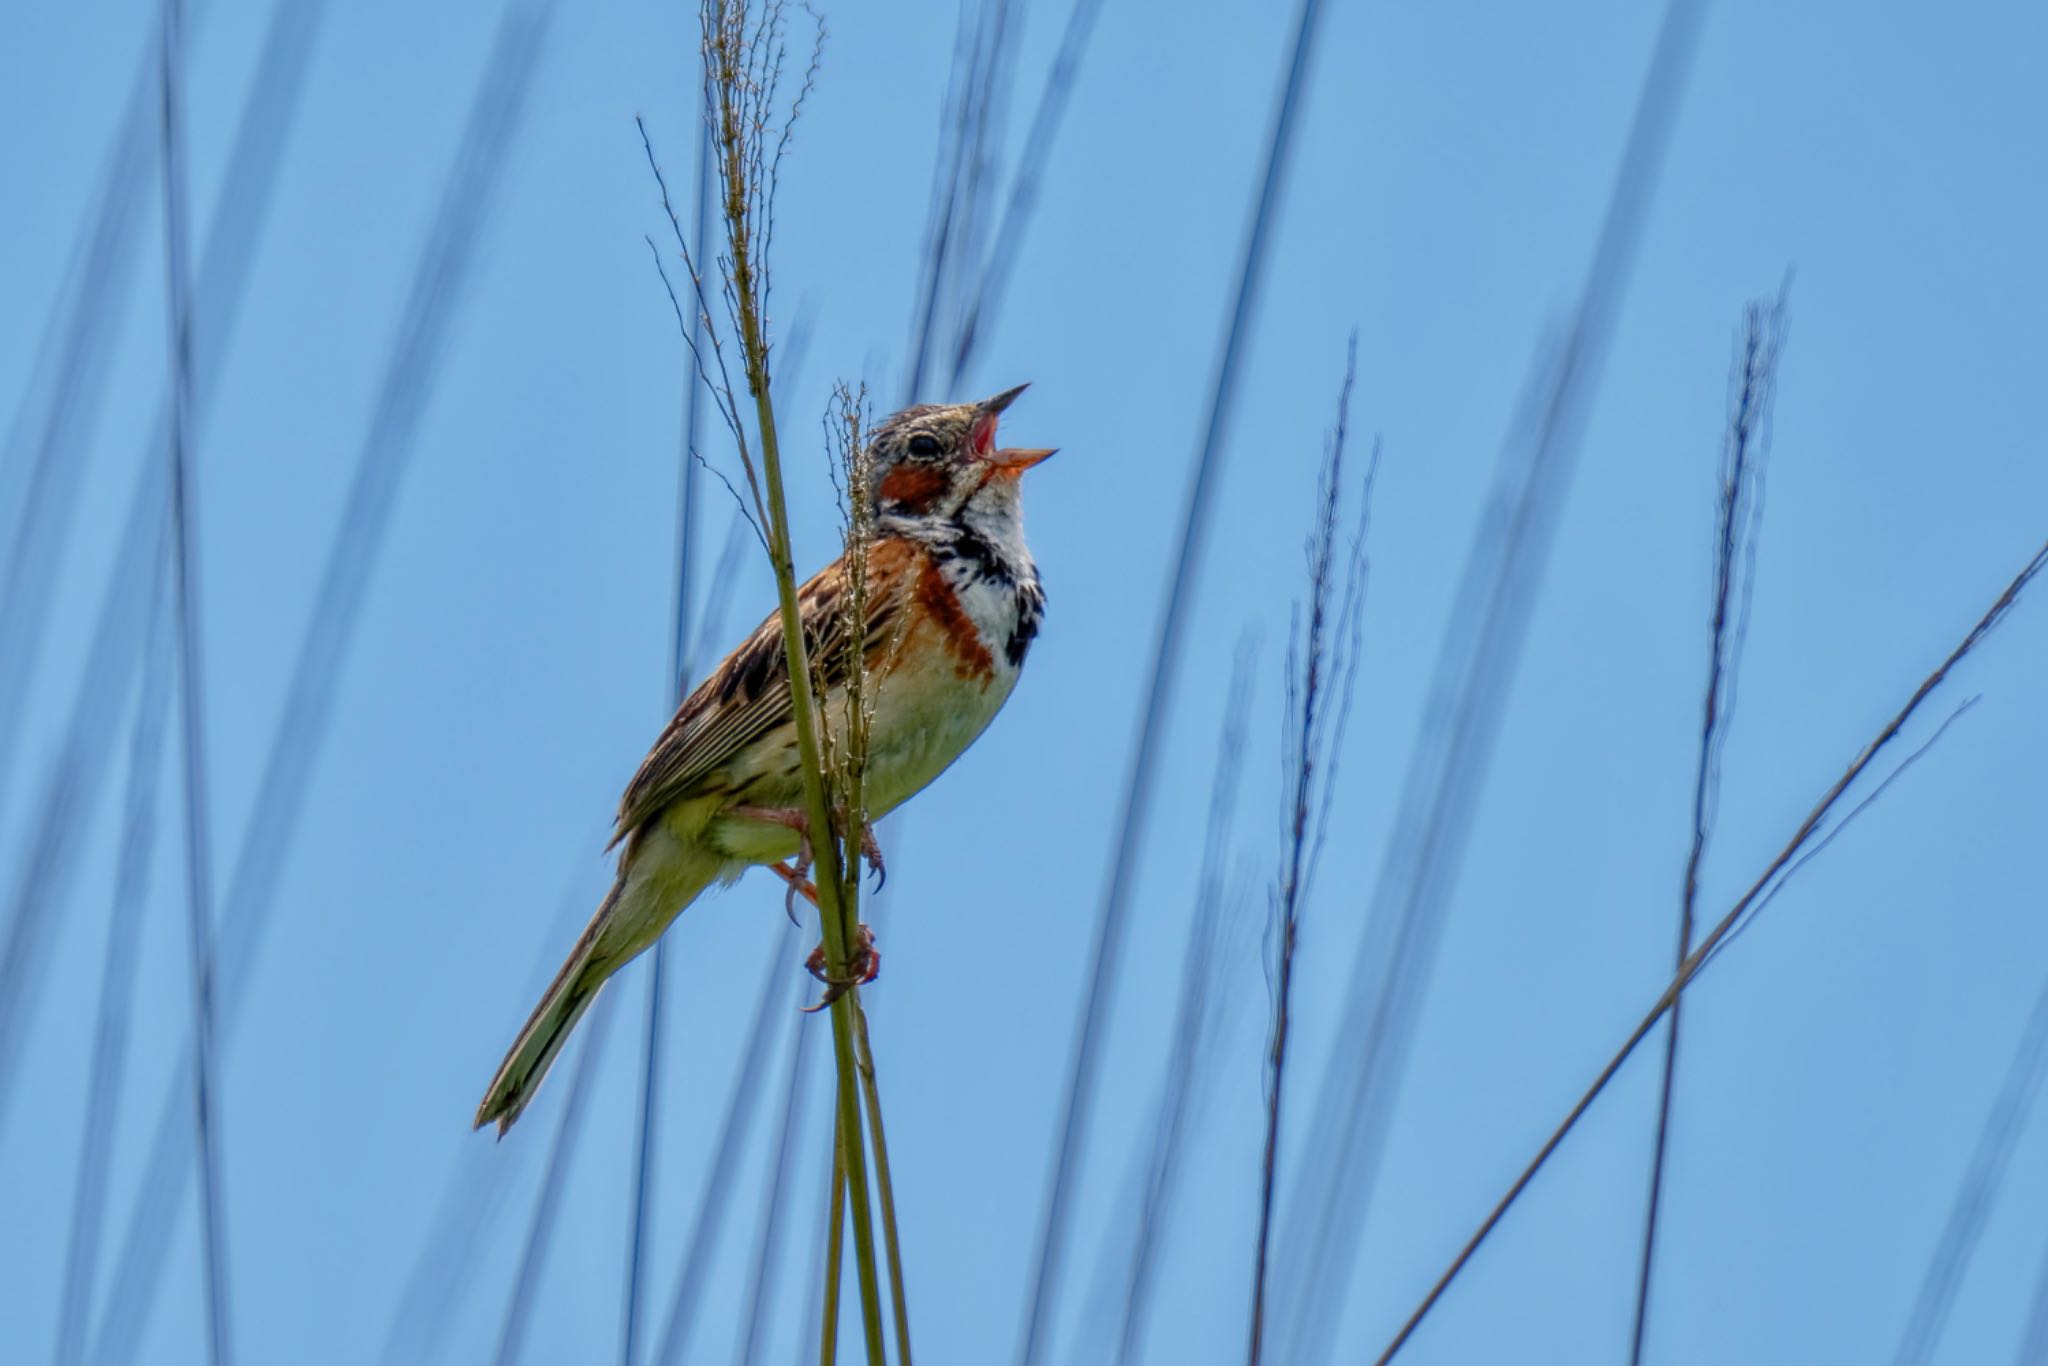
(747,696)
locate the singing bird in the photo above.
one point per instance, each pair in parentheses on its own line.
(953,603)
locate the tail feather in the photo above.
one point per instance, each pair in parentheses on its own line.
(548,1028)
(659,874)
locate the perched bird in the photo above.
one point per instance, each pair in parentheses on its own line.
(953,602)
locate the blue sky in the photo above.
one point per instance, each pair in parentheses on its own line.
(1452,166)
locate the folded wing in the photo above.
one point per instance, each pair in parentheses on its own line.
(747,696)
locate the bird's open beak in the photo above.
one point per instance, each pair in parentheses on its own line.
(995,405)
(984,437)
(1014,463)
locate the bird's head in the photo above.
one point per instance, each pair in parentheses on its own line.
(941,460)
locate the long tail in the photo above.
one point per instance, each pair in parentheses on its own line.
(547,1029)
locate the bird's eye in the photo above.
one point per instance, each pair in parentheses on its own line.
(924,445)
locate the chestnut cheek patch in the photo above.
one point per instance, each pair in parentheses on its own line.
(913,486)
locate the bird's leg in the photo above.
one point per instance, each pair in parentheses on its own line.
(792,818)
(797,873)
(864,966)
(788,817)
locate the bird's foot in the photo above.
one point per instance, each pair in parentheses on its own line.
(864,966)
(792,818)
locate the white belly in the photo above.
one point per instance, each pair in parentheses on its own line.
(924,720)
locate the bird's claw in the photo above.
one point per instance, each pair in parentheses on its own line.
(864,966)
(798,878)
(798,885)
(871,850)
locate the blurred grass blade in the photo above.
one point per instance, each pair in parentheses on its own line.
(1040,1300)
(1979,1188)
(679,672)
(1193,1013)
(409,378)
(192,692)
(117,977)
(961,186)
(447,1253)
(78,340)
(775,1203)
(43,465)
(568,1130)
(1326,1215)
(986,298)
(2034,1345)
(1805,841)
(717,1190)
(250,176)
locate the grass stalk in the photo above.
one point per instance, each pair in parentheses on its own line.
(743,59)
(1742,453)
(1322,656)
(835,1250)
(1760,892)
(846,433)
(892,1246)
(831,881)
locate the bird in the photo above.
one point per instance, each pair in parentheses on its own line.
(953,603)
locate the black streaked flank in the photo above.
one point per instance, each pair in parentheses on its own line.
(1030,611)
